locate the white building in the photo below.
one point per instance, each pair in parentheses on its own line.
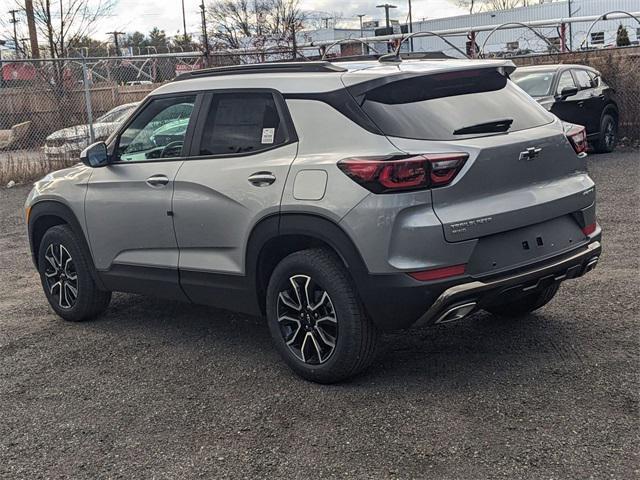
(516,40)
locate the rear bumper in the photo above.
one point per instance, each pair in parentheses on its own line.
(477,293)
(397,303)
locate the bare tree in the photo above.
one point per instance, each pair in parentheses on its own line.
(472,5)
(476,6)
(64,22)
(504,4)
(247,23)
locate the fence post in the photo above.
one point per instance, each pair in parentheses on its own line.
(87,100)
(563,37)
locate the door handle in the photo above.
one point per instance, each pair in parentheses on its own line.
(581,103)
(262,179)
(157,180)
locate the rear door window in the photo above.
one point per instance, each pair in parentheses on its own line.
(452,105)
(595,79)
(583,79)
(241,123)
(566,80)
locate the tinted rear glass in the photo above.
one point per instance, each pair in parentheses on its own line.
(433,107)
(241,123)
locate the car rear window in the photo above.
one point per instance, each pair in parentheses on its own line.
(433,107)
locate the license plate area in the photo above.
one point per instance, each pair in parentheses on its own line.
(515,248)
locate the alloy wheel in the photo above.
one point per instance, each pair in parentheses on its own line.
(307,320)
(609,135)
(60,275)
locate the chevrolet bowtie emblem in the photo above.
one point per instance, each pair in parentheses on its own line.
(530,153)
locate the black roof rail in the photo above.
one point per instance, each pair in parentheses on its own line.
(436,55)
(276,67)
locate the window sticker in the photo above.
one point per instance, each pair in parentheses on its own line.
(268,135)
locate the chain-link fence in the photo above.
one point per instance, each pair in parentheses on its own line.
(52,109)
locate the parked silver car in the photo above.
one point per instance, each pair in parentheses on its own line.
(338,200)
(69,142)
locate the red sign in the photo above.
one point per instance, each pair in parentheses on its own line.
(18,71)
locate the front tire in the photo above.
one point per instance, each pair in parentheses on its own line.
(317,322)
(67,281)
(608,136)
(525,304)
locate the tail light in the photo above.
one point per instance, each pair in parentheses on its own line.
(577,136)
(589,229)
(397,173)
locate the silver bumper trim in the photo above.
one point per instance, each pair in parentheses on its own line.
(464,291)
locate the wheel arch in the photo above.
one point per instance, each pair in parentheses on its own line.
(610,109)
(280,235)
(47,214)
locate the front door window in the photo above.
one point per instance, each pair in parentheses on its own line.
(158,131)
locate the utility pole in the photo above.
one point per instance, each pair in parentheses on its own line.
(326,21)
(293,39)
(23,43)
(205,37)
(360,15)
(570,28)
(410,28)
(184,23)
(115,34)
(31,23)
(14,20)
(386,7)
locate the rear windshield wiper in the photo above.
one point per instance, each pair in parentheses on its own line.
(487,127)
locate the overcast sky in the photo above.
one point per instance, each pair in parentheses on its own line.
(131,15)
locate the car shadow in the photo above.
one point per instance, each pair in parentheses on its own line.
(472,351)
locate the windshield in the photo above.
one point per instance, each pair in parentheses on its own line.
(115,115)
(536,84)
(452,105)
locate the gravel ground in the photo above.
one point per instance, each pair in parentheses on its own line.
(156,389)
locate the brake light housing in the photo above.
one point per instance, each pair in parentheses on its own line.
(577,136)
(589,229)
(402,173)
(439,273)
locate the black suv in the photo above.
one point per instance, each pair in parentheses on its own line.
(576,94)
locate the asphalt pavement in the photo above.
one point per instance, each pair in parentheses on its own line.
(157,389)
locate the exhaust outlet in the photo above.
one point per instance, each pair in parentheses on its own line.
(591,264)
(457,313)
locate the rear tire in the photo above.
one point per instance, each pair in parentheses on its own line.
(608,136)
(67,281)
(317,322)
(524,305)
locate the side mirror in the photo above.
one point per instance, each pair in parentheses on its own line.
(95,155)
(567,92)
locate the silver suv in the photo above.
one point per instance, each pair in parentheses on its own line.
(339,200)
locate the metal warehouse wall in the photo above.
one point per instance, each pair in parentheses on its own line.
(526,38)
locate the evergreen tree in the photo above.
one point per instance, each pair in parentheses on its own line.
(622,37)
